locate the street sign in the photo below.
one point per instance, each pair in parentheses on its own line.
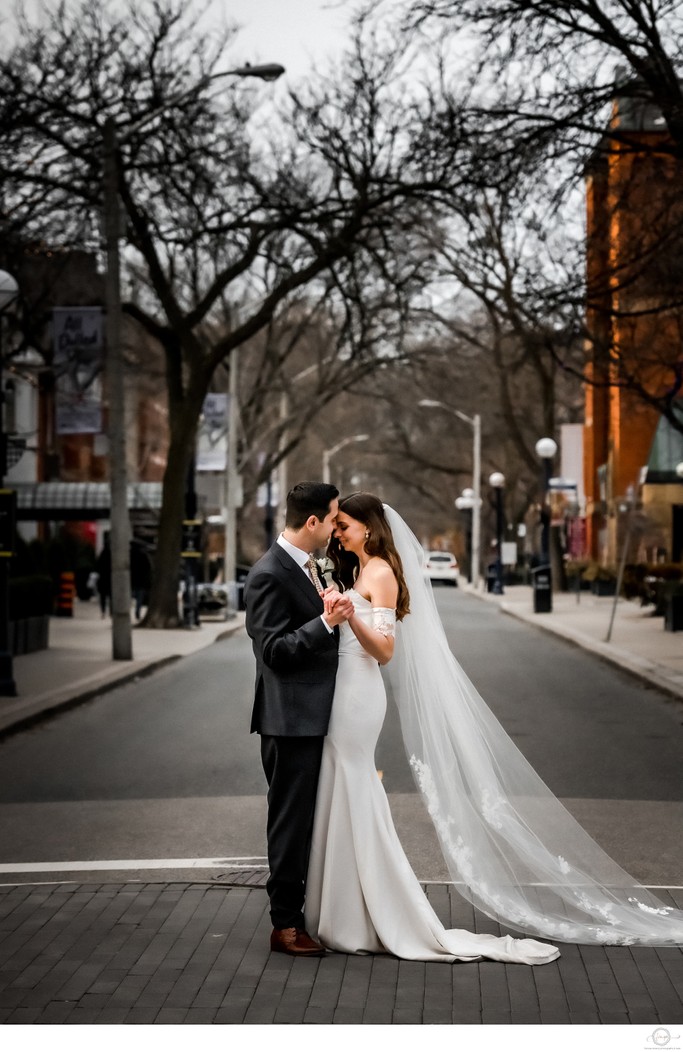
(8,518)
(509,553)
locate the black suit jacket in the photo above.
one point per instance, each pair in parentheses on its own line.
(296,656)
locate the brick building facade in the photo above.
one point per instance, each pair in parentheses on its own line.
(634,271)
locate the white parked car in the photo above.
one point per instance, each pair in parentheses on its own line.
(442,566)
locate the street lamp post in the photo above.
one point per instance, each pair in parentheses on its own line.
(497,481)
(475,424)
(465,502)
(679,553)
(122,649)
(9,290)
(329,453)
(546,448)
(233,496)
(122,643)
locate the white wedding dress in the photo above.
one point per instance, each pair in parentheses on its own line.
(511,847)
(361,894)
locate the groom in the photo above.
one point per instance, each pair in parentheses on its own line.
(295,643)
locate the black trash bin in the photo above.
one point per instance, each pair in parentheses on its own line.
(541,582)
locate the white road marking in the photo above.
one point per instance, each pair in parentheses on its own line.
(248,862)
(241,862)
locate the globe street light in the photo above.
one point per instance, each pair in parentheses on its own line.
(497,481)
(546,448)
(9,290)
(329,453)
(122,645)
(475,424)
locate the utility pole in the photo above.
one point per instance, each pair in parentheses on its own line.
(233,497)
(475,424)
(9,290)
(475,421)
(122,643)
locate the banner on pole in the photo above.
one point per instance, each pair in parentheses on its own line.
(78,360)
(212,436)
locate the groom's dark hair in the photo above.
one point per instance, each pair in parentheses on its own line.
(306,499)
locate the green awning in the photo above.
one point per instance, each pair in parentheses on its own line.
(79,501)
(666,451)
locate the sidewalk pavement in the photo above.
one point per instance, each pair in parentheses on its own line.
(198,952)
(166,953)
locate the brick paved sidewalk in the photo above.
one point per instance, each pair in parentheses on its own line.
(198,953)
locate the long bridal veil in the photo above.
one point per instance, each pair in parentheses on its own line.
(511,847)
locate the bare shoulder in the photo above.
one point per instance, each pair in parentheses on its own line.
(378,570)
(381,582)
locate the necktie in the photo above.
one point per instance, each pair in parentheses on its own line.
(313,568)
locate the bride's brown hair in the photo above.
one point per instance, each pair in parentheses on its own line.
(369,510)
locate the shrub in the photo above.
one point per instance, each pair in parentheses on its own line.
(596,572)
(655,582)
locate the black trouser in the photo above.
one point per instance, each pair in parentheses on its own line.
(292,766)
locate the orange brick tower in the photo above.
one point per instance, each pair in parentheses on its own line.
(633,211)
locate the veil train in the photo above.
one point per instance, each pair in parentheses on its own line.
(512,848)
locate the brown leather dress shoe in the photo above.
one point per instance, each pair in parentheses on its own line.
(296,942)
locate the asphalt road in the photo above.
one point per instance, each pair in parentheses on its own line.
(165,768)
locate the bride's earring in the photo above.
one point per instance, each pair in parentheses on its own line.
(367,534)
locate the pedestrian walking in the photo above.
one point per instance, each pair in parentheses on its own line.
(140,575)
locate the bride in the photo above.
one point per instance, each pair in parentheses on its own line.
(511,847)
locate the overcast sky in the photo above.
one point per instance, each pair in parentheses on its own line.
(295,33)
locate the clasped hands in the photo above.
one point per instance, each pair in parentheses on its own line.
(338,606)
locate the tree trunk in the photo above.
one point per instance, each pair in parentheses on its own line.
(163,600)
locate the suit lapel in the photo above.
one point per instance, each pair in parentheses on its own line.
(298,577)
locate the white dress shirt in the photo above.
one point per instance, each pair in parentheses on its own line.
(300,557)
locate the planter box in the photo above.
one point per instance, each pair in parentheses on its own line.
(673,616)
(29,634)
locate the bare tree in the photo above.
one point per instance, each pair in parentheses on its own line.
(556,65)
(219,223)
(564,90)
